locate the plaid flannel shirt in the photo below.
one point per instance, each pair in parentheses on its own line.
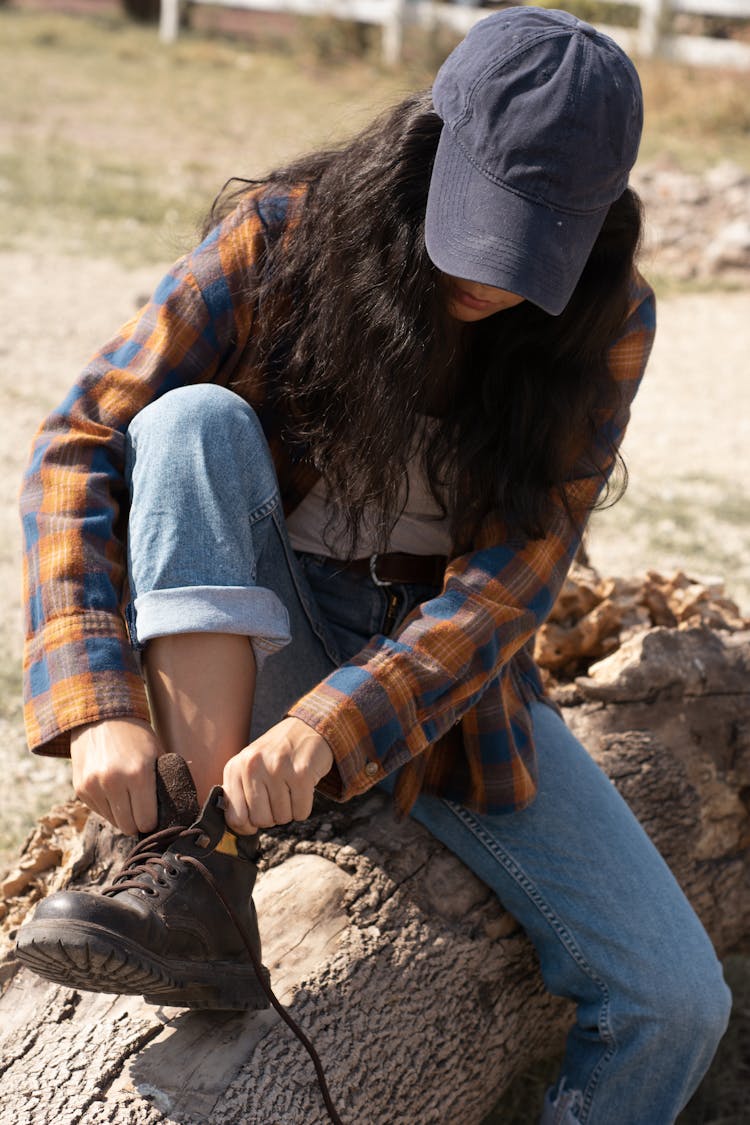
(444,700)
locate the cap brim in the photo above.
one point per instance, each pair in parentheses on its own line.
(482,231)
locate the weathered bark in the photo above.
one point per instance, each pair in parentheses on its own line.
(422,996)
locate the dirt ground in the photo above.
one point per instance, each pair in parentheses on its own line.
(688,450)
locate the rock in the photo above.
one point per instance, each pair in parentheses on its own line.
(730,249)
(593,616)
(657,660)
(697,223)
(725,176)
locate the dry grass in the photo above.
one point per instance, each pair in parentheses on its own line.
(111,144)
(695,116)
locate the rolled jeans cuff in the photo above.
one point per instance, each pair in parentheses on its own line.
(252,611)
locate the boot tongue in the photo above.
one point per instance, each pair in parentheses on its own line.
(178,806)
(219,837)
(176,798)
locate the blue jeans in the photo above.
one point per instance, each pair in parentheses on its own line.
(208,550)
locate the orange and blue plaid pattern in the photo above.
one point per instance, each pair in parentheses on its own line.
(444,700)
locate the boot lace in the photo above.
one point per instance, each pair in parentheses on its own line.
(146,862)
(146,859)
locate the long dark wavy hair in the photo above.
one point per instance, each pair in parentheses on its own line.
(354,332)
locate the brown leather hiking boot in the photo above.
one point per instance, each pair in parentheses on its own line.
(176,925)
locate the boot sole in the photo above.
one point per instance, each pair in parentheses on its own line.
(93,959)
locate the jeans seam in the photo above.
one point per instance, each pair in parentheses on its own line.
(526,884)
(294,566)
(593,1082)
(267,508)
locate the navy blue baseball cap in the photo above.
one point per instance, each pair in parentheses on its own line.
(542,117)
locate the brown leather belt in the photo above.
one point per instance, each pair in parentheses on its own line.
(398,568)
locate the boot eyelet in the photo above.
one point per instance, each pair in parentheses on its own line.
(203,840)
(171,871)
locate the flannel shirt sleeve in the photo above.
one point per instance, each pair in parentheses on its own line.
(400,694)
(78,663)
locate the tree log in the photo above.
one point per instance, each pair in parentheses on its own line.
(422,996)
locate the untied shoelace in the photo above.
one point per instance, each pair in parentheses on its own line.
(144,861)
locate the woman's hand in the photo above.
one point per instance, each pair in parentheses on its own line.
(114,772)
(272,780)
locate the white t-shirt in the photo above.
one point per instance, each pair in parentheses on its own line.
(421,529)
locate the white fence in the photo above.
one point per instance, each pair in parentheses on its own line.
(648,39)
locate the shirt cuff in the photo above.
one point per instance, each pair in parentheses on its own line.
(365,750)
(79,669)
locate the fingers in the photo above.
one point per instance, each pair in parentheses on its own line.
(272,781)
(126,799)
(302,803)
(122,816)
(91,793)
(118,813)
(142,804)
(280,800)
(114,772)
(237,816)
(116,808)
(100,807)
(253,798)
(259,795)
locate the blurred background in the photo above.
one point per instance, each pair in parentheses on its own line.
(116,132)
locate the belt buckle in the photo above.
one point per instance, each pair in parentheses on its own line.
(374,572)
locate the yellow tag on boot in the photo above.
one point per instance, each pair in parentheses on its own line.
(227,845)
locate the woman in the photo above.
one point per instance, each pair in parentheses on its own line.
(363,425)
